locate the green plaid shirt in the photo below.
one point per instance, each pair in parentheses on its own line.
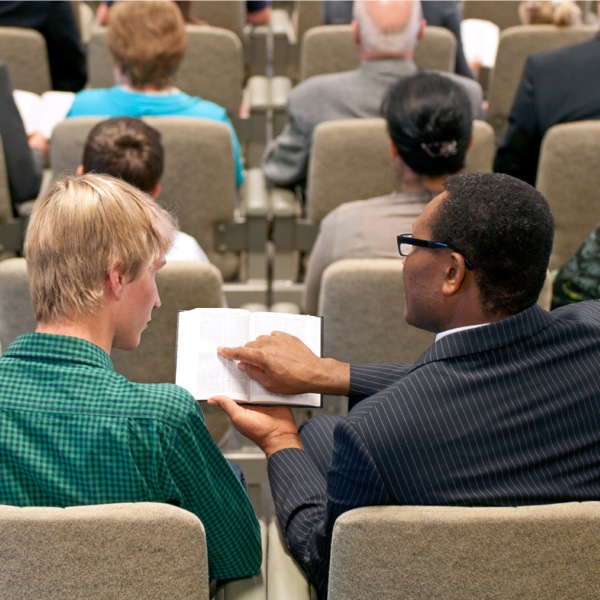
(74,432)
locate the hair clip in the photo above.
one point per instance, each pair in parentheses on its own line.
(440,149)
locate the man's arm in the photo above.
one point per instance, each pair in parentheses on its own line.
(368,379)
(307,504)
(518,152)
(285,160)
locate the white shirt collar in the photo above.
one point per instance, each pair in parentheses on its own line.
(442,334)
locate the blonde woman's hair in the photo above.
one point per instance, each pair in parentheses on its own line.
(547,12)
(376,38)
(147,40)
(79,229)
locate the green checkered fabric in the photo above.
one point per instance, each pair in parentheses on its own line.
(74,432)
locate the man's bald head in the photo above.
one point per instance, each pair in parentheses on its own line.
(387,27)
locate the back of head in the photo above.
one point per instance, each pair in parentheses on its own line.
(147,40)
(127,148)
(505,228)
(548,12)
(430,122)
(81,227)
(388,27)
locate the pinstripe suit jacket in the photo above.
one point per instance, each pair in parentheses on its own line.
(504,414)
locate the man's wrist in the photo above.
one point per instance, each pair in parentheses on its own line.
(334,377)
(284,442)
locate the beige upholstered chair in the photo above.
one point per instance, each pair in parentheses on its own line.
(182,285)
(459,553)
(198,183)
(569,178)
(516,43)
(16,312)
(212,67)
(504,14)
(362,302)
(24,52)
(331,49)
(368,327)
(456,553)
(229,15)
(436,50)
(351,160)
(122,551)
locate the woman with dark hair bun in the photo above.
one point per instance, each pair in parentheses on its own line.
(430,125)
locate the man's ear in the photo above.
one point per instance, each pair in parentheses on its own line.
(115,282)
(155,192)
(79,170)
(454,275)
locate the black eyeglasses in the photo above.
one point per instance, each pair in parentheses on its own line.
(406,241)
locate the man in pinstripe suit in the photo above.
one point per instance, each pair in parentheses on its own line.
(503,409)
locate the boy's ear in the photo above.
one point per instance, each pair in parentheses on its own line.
(79,170)
(115,282)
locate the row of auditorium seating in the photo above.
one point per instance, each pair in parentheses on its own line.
(350,161)
(148,550)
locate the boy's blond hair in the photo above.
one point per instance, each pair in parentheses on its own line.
(79,229)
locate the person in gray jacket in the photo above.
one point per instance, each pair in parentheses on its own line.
(386,34)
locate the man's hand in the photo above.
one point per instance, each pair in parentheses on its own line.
(270,428)
(283,364)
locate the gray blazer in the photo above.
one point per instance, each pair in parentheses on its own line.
(357,93)
(506,414)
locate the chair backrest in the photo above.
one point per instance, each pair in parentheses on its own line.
(504,14)
(182,285)
(331,49)
(516,44)
(466,553)
(212,67)
(569,178)
(350,160)
(436,50)
(198,183)
(16,312)
(24,52)
(114,551)
(216,13)
(362,302)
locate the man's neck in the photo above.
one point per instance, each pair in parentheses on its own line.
(366,56)
(84,330)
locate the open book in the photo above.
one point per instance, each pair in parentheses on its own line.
(204,373)
(42,113)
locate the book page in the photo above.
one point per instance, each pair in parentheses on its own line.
(305,327)
(42,113)
(200,370)
(480,40)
